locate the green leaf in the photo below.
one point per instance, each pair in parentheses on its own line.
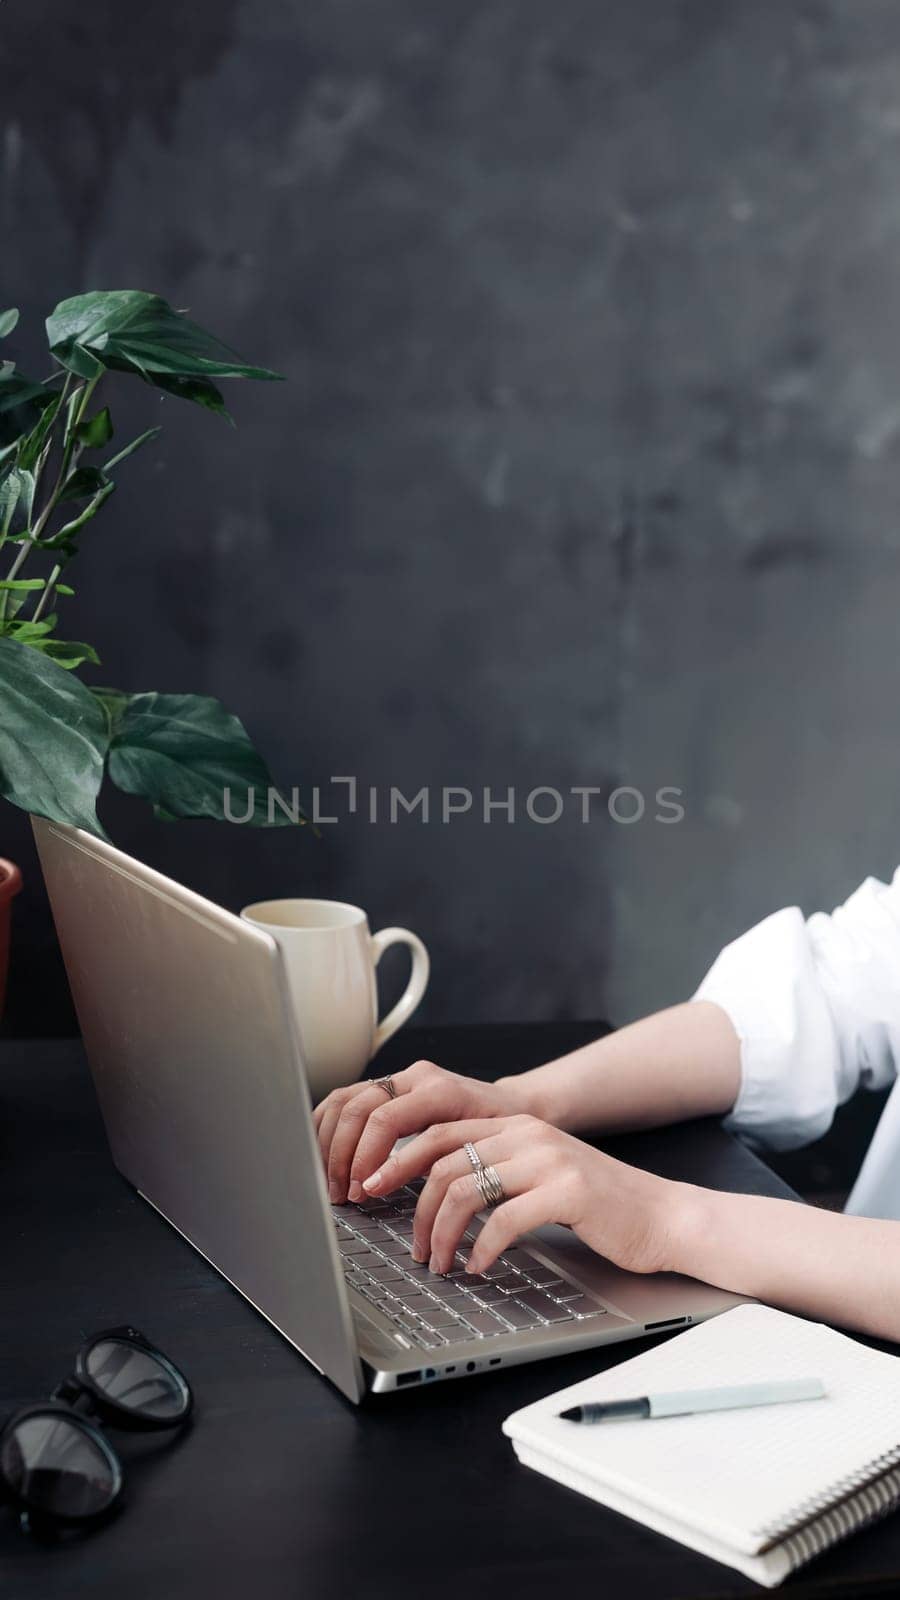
(28,631)
(130,331)
(31,446)
(66,653)
(63,588)
(16,390)
(142,438)
(96,431)
(181,752)
(17,489)
(21,404)
(80,361)
(83,483)
(200,390)
(62,540)
(22,585)
(53,738)
(114,704)
(8,320)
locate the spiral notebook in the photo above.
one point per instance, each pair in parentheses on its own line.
(762,1489)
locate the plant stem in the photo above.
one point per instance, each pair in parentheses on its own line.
(70,452)
(47,593)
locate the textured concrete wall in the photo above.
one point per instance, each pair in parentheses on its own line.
(587,470)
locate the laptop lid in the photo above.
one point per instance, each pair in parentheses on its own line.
(198,1069)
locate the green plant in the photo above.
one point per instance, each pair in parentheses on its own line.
(59,737)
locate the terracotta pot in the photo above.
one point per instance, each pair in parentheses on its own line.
(10,884)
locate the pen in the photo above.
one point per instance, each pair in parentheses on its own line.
(683,1402)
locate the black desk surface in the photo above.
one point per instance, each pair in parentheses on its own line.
(282,1490)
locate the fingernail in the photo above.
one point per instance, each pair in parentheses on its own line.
(418,1250)
(334,1192)
(354,1192)
(433,1265)
(470,1265)
(372,1183)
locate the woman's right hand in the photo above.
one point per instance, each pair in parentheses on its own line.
(358,1126)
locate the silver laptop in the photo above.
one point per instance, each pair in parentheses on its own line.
(199,1073)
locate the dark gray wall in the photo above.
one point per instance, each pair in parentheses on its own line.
(587,471)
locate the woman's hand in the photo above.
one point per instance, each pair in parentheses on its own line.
(358,1126)
(547,1176)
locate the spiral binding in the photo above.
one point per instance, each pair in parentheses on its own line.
(846,1506)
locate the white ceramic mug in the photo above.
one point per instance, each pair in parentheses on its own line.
(330,958)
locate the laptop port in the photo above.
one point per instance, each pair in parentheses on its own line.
(404,1378)
(671,1322)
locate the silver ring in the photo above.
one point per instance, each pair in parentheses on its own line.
(490,1187)
(474,1157)
(387,1084)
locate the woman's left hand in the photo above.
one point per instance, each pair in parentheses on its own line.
(547,1176)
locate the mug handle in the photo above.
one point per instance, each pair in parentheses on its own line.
(418,980)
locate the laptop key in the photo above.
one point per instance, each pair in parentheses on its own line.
(520,1316)
(393,1247)
(489,1294)
(519,1259)
(386,1273)
(442,1290)
(484,1322)
(439,1318)
(410,1294)
(460,1306)
(544,1277)
(363,1259)
(544,1306)
(583,1306)
(470,1279)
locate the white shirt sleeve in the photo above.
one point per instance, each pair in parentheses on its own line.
(816,1006)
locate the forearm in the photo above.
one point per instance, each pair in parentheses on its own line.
(821,1264)
(684,1062)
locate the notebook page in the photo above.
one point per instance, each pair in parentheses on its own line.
(731,1473)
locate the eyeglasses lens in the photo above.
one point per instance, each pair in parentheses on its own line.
(56,1467)
(136,1380)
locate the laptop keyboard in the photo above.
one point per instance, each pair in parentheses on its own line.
(516,1294)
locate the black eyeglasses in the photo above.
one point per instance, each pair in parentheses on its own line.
(56,1464)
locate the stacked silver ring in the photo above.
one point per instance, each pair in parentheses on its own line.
(490,1186)
(474,1157)
(387,1084)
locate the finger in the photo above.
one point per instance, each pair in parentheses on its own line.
(328,1110)
(328,1123)
(354,1115)
(423,1095)
(508,1221)
(444,1171)
(417,1157)
(320,1110)
(409,1113)
(463,1199)
(460,1202)
(379,1135)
